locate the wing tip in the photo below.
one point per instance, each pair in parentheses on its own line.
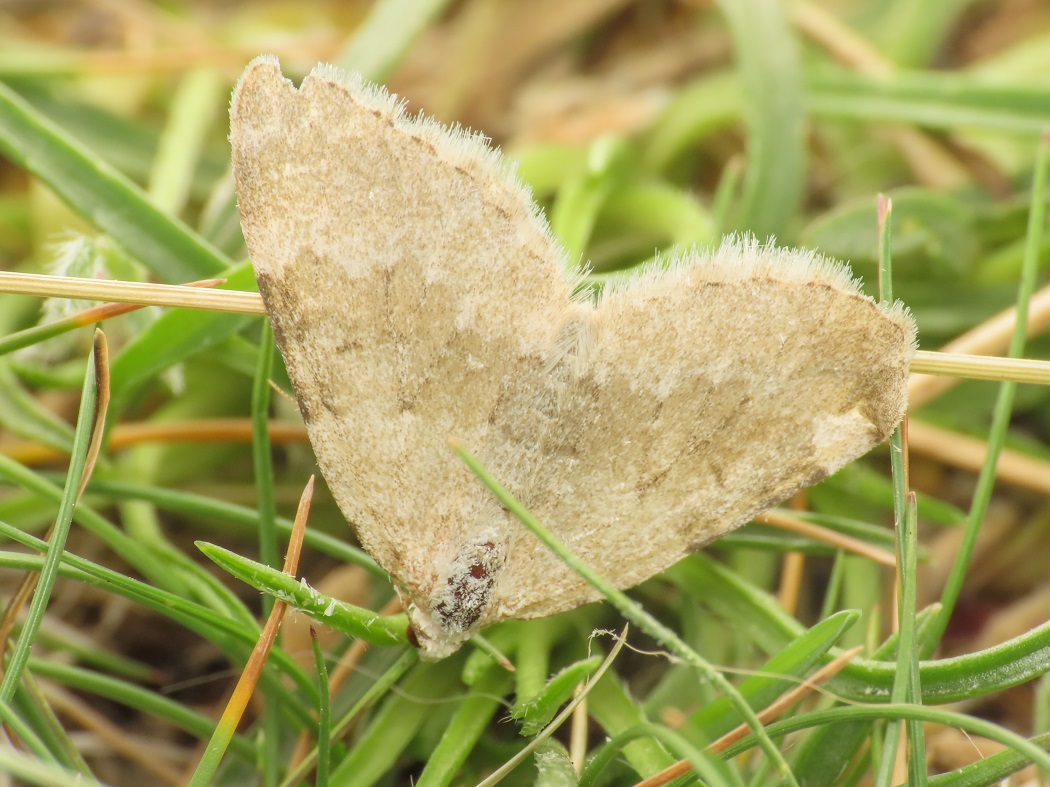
(457,145)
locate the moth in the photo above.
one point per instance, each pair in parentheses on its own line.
(417,295)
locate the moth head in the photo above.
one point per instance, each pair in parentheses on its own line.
(456,606)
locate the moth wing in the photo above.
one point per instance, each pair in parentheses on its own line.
(381,243)
(703,396)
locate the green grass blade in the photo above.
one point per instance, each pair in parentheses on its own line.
(230,636)
(1007,390)
(930,99)
(376,689)
(324,714)
(858,713)
(943,681)
(386,35)
(991,770)
(103,196)
(243,518)
(133,696)
(19,656)
(780,673)
(351,620)
(535,714)
(774,112)
(200,92)
(394,725)
(611,705)
(176,335)
(464,730)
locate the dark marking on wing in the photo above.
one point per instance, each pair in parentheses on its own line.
(471,587)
